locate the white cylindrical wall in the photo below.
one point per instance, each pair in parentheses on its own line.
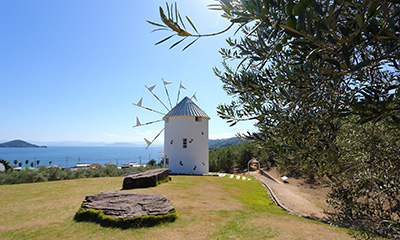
(194,158)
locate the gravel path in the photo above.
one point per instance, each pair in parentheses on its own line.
(296,197)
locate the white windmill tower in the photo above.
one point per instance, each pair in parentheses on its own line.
(186,139)
(186,136)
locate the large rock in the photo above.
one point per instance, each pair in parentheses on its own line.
(125,204)
(145,179)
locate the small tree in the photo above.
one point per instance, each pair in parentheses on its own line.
(161,163)
(245,155)
(226,159)
(15,162)
(20,164)
(26,162)
(50,162)
(37,162)
(152,162)
(32,164)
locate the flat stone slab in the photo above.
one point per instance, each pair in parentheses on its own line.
(125,204)
(145,179)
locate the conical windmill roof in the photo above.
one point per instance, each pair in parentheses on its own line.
(186,107)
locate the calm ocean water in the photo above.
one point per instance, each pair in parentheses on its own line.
(69,156)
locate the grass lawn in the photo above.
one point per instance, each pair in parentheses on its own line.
(208,208)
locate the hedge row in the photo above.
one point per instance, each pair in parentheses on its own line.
(44,174)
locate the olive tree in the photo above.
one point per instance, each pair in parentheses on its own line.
(304,71)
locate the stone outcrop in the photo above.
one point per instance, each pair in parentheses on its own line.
(145,179)
(125,204)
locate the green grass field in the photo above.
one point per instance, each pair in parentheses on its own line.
(208,208)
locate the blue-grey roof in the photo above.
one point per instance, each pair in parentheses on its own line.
(186,107)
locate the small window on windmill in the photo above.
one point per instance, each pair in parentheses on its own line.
(197,119)
(184,143)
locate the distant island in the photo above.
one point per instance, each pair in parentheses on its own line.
(19,144)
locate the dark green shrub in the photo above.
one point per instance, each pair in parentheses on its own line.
(111,171)
(168,179)
(222,159)
(55,174)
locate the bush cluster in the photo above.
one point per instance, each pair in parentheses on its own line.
(44,174)
(237,156)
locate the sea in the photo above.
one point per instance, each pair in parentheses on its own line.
(70,156)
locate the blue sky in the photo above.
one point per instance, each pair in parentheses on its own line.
(70,70)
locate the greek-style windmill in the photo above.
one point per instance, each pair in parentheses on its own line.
(185,135)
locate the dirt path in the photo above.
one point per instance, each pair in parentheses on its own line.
(297,197)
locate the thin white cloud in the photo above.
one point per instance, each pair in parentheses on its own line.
(138,136)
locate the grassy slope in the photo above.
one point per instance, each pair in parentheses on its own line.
(208,208)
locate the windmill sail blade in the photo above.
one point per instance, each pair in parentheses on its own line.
(151,88)
(140,102)
(149,143)
(151,91)
(166,91)
(144,124)
(165,82)
(148,108)
(194,97)
(179,91)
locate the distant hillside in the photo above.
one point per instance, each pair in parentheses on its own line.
(19,144)
(221,143)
